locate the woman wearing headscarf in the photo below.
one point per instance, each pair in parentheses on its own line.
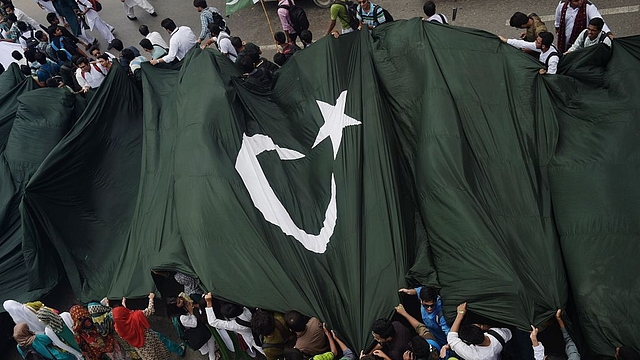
(133,327)
(58,332)
(21,313)
(103,320)
(28,342)
(93,344)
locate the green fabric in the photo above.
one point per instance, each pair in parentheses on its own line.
(235,5)
(81,199)
(459,167)
(31,123)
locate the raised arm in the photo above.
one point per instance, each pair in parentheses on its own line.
(570,347)
(150,309)
(332,342)
(402,311)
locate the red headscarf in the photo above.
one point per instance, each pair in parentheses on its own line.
(130,325)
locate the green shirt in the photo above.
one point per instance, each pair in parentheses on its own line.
(339,11)
(325,356)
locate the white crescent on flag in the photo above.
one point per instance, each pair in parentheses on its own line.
(261,192)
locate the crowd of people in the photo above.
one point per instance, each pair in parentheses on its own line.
(215,327)
(64,53)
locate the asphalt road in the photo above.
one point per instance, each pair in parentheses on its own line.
(251,23)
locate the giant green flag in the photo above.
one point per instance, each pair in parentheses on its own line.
(235,5)
(427,150)
(268,196)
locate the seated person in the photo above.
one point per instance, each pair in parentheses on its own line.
(310,339)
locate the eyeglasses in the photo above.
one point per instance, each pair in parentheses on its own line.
(429,306)
(363,2)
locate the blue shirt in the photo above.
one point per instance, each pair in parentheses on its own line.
(435,321)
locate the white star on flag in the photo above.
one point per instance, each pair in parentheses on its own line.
(334,121)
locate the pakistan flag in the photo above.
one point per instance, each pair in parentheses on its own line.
(235,5)
(266,195)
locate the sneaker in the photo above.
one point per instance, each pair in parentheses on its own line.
(132,18)
(154,14)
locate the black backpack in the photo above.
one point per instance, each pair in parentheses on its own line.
(376,10)
(256,336)
(28,353)
(442,20)
(196,337)
(352,11)
(219,20)
(553,53)
(509,350)
(32,42)
(297,16)
(600,40)
(387,15)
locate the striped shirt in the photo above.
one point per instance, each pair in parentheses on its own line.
(206,18)
(368,17)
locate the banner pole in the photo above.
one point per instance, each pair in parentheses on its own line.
(267,16)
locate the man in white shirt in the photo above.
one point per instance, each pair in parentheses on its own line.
(240,323)
(429,9)
(21,16)
(592,35)
(89,76)
(572,16)
(94,20)
(182,40)
(472,343)
(549,55)
(153,36)
(224,42)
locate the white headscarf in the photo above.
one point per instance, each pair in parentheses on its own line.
(21,313)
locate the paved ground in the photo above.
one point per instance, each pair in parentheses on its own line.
(251,24)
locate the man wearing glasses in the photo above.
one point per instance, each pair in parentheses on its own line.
(431,310)
(369,14)
(89,76)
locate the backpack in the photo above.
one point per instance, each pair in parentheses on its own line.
(195,337)
(96,5)
(218,20)
(352,11)
(56,48)
(28,353)
(297,16)
(600,40)
(508,348)
(442,20)
(31,41)
(387,15)
(553,53)
(100,71)
(256,337)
